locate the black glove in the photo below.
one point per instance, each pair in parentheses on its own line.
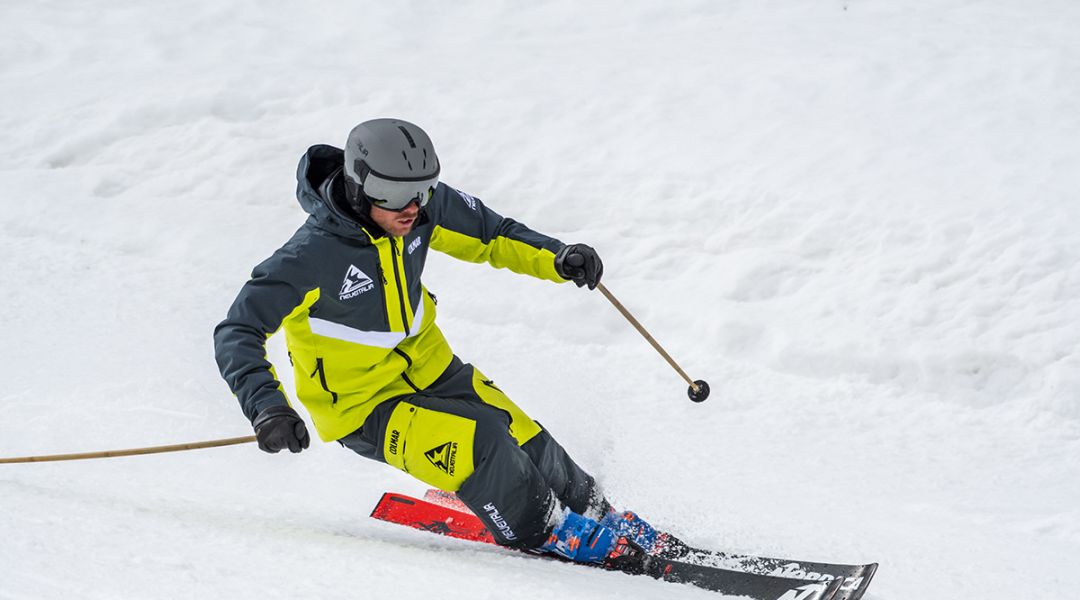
(279,427)
(580,264)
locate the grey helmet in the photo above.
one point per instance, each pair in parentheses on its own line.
(389,163)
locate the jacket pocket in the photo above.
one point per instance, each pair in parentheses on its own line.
(320,370)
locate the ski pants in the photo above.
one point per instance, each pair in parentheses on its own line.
(462,434)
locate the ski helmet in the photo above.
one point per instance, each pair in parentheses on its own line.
(389,163)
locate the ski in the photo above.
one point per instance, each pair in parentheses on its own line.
(856,578)
(436,518)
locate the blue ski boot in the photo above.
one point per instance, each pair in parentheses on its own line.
(632,527)
(580,539)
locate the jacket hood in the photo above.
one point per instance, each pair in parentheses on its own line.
(318,164)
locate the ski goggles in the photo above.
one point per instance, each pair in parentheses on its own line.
(397,193)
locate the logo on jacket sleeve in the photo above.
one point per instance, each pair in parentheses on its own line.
(468,199)
(356,283)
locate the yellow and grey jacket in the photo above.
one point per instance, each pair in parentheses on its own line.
(359,324)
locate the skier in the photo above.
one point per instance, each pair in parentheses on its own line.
(374,371)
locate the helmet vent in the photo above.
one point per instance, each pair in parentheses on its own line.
(408,136)
(407,161)
(425,159)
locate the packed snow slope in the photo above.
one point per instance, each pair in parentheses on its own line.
(857,220)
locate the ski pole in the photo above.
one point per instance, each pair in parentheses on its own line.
(699,390)
(132,451)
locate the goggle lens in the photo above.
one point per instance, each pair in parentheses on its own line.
(390,194)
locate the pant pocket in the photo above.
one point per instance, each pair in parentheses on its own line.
(432,446)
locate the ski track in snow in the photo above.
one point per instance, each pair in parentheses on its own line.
(855,219)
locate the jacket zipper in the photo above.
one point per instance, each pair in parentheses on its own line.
(386,295)
(404,315)
(400,291)
(320,370)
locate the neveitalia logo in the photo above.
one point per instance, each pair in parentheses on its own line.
(468,199)
(443,457)
(356,283)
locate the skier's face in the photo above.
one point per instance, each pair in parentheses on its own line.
(396,222)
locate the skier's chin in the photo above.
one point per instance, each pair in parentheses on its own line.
(401,228)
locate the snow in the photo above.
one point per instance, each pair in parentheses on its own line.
(855,219)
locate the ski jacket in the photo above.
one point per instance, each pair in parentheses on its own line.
(359,324)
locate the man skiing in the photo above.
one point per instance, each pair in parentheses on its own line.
(374,371)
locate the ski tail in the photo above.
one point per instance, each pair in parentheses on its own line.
(418,514)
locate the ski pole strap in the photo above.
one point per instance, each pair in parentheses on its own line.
(132,451)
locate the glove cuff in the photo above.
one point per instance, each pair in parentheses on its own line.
(278,410)
(560,257)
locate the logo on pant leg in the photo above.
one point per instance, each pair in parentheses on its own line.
(443,457)
(394,436)
(499,521)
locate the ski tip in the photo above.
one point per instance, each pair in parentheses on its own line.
(855,585)
(831,592)
(864,582)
